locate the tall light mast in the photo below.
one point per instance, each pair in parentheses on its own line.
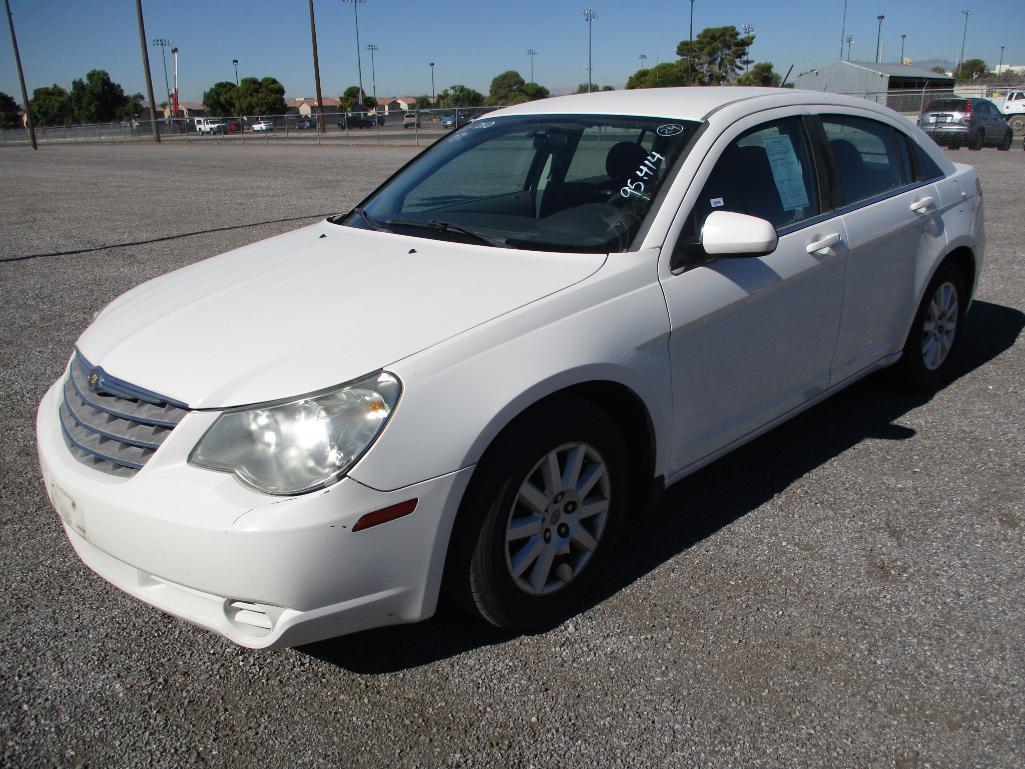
(174,93)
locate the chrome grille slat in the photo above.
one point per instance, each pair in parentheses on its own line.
(109,431)
(135,411)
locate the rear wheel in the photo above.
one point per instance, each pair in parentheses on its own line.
(935,331)
(1006,143)
(542,517)
(976,142)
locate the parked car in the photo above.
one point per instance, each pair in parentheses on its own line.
(262,125)
(305,122)
(352,120)
(576,302)
(234,127)
(972,123)
(448,121)
(210,125)
(411,120)
(1012,107)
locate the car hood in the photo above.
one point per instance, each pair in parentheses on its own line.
(310,309)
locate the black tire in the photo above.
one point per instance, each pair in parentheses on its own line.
(977,140)
(913,370)
(481,563)
(1005,145)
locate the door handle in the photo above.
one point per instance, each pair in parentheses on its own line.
(824,243)
(920,206)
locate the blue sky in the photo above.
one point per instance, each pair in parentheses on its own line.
(470,41)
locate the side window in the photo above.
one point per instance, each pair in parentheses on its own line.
(765,172)
(925,166)
(865,154)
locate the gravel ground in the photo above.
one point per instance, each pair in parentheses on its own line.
(845,591)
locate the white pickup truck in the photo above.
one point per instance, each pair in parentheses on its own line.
(1012,107)
(210,125)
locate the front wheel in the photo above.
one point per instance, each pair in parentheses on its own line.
(935,331)
(541,520)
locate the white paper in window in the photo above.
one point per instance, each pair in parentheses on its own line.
(786,172)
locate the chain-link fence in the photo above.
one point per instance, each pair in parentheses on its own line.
(415,128)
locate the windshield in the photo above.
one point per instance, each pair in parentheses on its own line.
(548,182)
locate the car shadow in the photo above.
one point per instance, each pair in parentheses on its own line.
(701,504)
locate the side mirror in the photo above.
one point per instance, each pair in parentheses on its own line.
(727,233)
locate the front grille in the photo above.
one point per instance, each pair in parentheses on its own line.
(111,425)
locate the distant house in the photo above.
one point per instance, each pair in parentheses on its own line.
(386,105)
(186,109)
(406,103)
(307,105)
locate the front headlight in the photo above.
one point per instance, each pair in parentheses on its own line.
(302,445)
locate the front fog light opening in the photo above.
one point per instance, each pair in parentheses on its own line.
(253,619)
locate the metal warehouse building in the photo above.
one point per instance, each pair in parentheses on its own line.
(892,84)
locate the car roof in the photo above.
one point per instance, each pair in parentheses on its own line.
(691,103)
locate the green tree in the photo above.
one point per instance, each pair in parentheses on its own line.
(668,73)
(582,88)
(9,110)
(51,105)
(511,88)
(761,74)
(460,96)
(716,54)
(265,96)
(135,106)
(97,99)
(423,102)
(971,69)
(349,101)
(939,70)
(221,100)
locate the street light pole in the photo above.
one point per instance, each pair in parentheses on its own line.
(531,53)
(1000,66)
(359,60)
(373,71)
(964,35)
(589,16)
(690,50)
(643,58)
(434,97)
(748,31)
(902,37)
(163,43)
(879,35)
(850,41)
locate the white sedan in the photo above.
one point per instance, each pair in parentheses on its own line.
(262,125)
(471,381)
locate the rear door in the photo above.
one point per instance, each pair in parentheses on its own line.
(892,223)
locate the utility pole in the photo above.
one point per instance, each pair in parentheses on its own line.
(850,41)
(902,37)
(879,35)
(316,72)
(690,51)
(843,30)
(964,35)
(145,66)
(434,98)
(373,71)
(174,93)
(21,75)
(589,16)
(359,58)
(531,53)
(1000,66)
(644,58)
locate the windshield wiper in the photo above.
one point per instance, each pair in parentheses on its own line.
(371,222)
(434,225)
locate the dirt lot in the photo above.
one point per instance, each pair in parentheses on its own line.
(845,591)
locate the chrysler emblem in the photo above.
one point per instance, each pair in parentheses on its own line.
(94,379)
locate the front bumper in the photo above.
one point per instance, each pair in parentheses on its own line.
(264,571)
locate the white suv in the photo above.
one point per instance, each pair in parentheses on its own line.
(474,379)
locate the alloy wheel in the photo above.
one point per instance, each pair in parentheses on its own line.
(940,326)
